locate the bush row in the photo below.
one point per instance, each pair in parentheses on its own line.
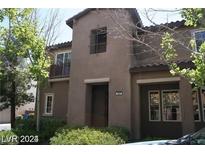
(55,131)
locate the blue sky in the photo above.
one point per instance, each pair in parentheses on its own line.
(65,32)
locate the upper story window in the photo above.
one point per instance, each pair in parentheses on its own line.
(61,68)
(199,38)
(98,41)
(62,58)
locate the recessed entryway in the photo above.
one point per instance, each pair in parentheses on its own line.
(160,110)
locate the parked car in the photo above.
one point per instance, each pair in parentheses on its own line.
(197,138)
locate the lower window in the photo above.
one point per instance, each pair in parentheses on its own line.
(171,105)
(203,103)
(170,102)
(49,104)
(154,105)
(196,109)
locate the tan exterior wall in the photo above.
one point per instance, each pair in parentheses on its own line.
(60,90)
(144,55)
(113,64)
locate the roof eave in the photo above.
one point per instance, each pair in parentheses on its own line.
(69,22)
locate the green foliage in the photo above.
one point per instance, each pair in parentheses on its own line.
(6,138)
(196,75)
(23,84)
(22,56)
(193,16)
(89,136)
(48,127)
(121,132)
(167,43)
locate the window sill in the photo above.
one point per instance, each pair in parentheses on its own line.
(47,114)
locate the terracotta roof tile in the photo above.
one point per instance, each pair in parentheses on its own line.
(63,45)
(160,66)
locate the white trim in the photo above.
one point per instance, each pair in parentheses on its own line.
(198,105)
(149,91)
(45,104)
(58,79)
(163,106)
(202,105)
(170,79)
(58,53)
(98,80)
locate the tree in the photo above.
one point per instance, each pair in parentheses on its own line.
(21,40)
(195,75)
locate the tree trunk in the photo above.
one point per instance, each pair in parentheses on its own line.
(38,107)
(13,105)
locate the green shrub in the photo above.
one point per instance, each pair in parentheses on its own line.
(86,136)
(28,124)
(8,138)
(121,132)
(48,127)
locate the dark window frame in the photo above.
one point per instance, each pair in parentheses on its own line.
(98,40)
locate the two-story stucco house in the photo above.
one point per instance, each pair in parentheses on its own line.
(100,80)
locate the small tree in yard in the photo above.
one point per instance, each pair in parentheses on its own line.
(20,41)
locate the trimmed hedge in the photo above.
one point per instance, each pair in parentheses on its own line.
(8,138)
(89,136)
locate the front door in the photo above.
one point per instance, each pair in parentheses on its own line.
(99,106)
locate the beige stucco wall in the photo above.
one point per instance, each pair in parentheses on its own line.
(112,64)
(144,55)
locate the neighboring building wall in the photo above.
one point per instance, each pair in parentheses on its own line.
(60,91)
(5,116)
(27,107)
(112,64)
(30,106)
